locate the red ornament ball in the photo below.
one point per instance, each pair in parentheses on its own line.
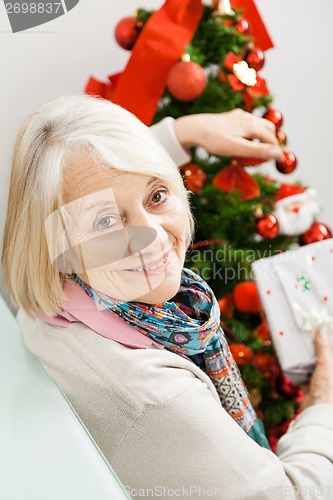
(226,304)
(195,177)
(126,32)
(255,58)
(263,361)
(243,26)
(186,81)
(317,232)
(246,297)
(262,331)
(274,116)
(288,164)
(281,137)
(267,226)
(241,353)
(288,389)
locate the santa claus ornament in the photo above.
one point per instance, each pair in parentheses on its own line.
(295,209)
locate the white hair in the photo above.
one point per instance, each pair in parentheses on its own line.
(53,133)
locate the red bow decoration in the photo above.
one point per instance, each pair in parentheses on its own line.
(250,94)
(234,176)
(101,89)
(253,86)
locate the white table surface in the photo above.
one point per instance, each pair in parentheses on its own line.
(45,451)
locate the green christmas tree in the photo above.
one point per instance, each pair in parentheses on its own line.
(232,208)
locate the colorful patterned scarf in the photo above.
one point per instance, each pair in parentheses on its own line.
(189,325)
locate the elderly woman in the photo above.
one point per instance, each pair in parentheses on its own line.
(97,230)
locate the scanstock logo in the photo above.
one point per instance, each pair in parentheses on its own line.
(25,14)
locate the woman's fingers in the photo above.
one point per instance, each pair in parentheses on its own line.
(262,129)
(321,383)
(323,346)
(252,149)
(230,134)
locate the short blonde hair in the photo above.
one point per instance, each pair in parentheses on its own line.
(49,135)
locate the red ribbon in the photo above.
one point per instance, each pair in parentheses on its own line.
(235,177)
(161,43)
(259,32)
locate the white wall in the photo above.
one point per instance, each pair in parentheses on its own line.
(58,57)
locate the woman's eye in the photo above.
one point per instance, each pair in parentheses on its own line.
(160,196)
(105,222)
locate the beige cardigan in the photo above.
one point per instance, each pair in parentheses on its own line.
(159,422)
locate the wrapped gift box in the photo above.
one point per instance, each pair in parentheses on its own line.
(296,290)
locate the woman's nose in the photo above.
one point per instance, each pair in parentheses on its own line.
(144,229)
(140,237)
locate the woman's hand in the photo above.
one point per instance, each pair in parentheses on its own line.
(320,388)
(229,134)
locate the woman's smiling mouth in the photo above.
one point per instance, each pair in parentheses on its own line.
(153,268)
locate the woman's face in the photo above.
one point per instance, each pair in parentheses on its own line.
(121,224)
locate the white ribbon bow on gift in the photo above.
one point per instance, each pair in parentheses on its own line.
(313,319)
